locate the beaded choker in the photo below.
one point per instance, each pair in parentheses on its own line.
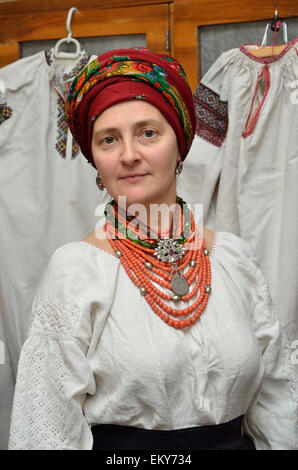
(149,259)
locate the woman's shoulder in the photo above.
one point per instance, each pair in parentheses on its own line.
(230,244)
(79,259)
(241,265)
(73,270)
(99,240)
(239,260)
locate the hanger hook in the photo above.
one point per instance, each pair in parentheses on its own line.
(276,22)
(68,21)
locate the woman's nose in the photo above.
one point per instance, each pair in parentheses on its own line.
(129,151)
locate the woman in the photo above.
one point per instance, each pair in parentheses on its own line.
(146,334)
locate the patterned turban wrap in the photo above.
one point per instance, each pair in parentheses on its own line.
(131,74)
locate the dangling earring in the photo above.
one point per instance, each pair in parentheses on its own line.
(99,183)
(179,168)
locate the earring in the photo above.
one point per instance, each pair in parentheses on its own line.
(179,168)
(99,183)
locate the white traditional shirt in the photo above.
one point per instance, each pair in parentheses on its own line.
(97,353)
(243,164)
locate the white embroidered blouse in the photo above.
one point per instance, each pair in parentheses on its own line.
(97,353)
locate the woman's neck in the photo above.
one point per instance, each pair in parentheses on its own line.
(153,219)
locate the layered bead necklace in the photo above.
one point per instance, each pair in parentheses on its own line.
(162,261)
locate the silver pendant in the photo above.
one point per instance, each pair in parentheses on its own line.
(179,285)
(169,250)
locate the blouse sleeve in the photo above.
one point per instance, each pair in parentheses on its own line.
(54,375)
(272,417)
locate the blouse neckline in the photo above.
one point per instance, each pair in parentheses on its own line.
(60,79)
(290,48)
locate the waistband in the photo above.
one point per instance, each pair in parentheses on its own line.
(225,436)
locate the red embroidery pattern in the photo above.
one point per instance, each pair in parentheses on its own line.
(253,115)
(62,125)
(211,115)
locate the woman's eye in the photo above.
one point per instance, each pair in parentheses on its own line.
(149,133)
(108,140)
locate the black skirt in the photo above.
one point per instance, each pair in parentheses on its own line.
(226,436)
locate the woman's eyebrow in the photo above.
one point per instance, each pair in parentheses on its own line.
(105,130)
(148,122)
(142,123)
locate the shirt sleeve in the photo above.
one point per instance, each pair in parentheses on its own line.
(54,375)
(272,417)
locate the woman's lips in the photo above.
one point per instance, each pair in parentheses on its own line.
(133,178)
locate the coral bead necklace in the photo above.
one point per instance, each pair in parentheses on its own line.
(161,261)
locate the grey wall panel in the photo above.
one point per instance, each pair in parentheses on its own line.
(93,45)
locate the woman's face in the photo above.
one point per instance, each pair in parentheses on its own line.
(134,138)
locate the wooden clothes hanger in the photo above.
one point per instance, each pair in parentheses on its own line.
(264,51)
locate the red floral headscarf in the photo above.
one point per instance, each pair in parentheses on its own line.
(127,74)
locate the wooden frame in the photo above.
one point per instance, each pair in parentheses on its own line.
(184,18)
(151,20)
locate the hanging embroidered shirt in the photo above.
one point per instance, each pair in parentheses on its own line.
(246,156)
(48,192)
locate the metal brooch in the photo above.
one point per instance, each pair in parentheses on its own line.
(169,250)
